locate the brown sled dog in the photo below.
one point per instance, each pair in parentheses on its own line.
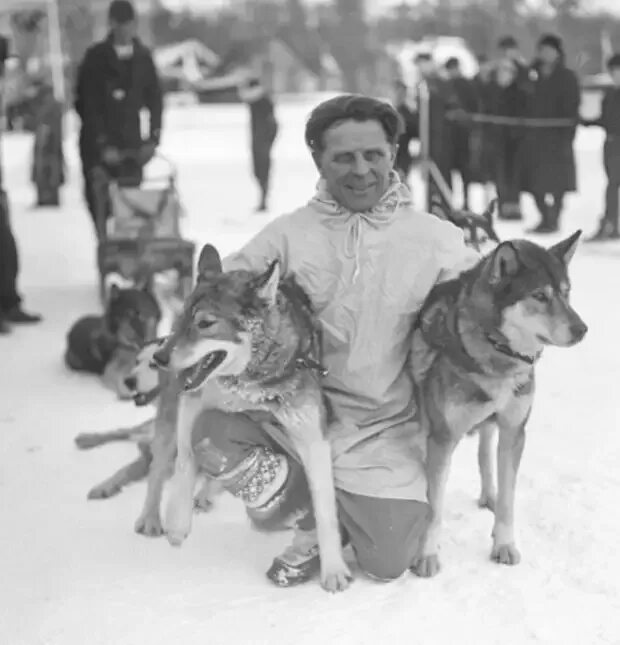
(475,347)
(249,342)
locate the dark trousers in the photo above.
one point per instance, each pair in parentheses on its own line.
(507,170)
(385,534)
(262,143)
(550,207)
(9,264)
(611,159)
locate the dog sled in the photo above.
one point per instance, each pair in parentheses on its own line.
(138,228)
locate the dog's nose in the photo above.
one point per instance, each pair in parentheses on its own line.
(131,383)
(161,358)
(578,330)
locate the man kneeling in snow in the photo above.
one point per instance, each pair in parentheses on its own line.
(367,260)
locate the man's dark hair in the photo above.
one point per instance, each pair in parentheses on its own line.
(453,63)
(121,11)
(507,42)
(355,107)
(613,62)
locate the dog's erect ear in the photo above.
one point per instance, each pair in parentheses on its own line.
(504,262)
(209,262)
(267,283)
(565,249)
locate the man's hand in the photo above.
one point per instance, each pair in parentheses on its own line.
(111,156)
(146,153)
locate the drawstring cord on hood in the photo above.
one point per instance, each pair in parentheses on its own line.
(396,195)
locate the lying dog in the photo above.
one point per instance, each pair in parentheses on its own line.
(107,345)
(226,359)
(481,336)
(156,440)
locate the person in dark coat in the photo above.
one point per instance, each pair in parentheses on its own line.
(508,49)
(609,120)
(442,104)
(410,118)
(550,171)
(482,162)
(263,132)
(465,93)
(115,81)
(509,99)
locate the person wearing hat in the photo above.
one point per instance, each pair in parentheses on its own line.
(550,171)
(115,81)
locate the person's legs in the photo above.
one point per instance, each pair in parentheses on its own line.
(261,163)
(251,464)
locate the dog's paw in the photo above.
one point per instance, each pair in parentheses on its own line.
(104,491)
(87,440)
(149,525)
(505,554)
(176,538)
(487,500)
(336,578)
(426,566)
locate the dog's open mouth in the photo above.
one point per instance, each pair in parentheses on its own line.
(194,376)
(144,398)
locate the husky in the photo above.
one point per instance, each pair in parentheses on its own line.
(250,342)
(155,439)
(476,344)
(107,345)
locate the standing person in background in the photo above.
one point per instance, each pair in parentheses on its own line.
(410,118)
(482,161)
(463,89)
(115,81)
(509,99)
(551,171)
(442,102)
(609,120)
(508,49)
(263,132)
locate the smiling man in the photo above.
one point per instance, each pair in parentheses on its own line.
(367,260)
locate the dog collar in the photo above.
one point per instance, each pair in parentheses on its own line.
(504,348)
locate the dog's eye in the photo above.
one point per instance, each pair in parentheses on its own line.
(203,323)
(540,296)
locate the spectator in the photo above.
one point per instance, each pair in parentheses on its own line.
(609,120)
(263,130)
(509,100)
(465,93)
(442,101)
(508,49)
(550,167)
(10,301)
(410,118)
(116,79)
(482,164)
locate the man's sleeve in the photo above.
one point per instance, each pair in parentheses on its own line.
(452,255)
(90,96)
(154,100)
(270,244)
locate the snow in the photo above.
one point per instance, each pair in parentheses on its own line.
(74,572)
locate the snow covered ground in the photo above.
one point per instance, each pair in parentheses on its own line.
(73,572)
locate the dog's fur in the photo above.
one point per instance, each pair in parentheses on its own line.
(249,342)
(480,336)
(107,345)
(156,440)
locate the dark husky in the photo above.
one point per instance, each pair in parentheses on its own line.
(107,345)
(249,342)
(475,347)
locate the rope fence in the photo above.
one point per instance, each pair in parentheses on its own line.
(494,119)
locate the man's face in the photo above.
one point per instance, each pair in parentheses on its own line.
(548,55)
(123,33)
(356,163)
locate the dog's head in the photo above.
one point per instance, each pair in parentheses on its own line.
(144,379)
(215,334)
(524,290)
(132,314)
